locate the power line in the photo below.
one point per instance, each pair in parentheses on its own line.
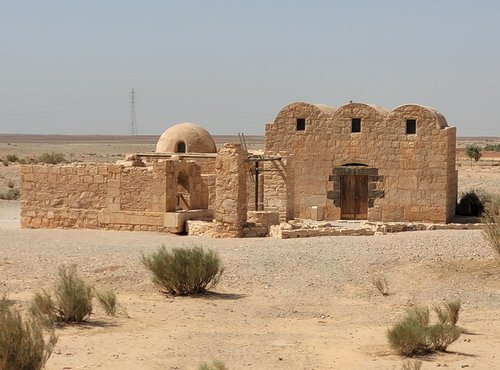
(133,124)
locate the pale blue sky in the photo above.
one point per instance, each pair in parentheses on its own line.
(68,66)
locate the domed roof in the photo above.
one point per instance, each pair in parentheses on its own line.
(186,138)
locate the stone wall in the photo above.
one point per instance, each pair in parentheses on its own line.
(105,196)
(416,172)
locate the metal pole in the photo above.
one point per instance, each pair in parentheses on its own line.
(257,185)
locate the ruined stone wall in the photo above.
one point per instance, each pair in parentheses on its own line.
(416,176)
(136,189)
(103,196)
(231,191)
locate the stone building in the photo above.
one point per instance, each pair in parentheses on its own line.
(357,162)
(360,161)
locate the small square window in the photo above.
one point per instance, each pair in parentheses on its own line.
(411,126)
(356,125)
(301,124)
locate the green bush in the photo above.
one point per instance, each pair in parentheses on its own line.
(12,158)
(407,337)
(107,300)
(184,271)
(25,344)
(72,302)
(414,334)
(474,202)
(492,147)
(51,158)
(440,336)
(215,365)
(473,151)
(10,194)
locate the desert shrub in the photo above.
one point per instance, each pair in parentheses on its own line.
(473,151)
(10,194)
(449,312)
(491,230)
(492,147)
(72,302)
(25,344)
(51,158)
(411,365)
(5,162)
(381,284)
(414,334)
(12,158)
(440,336)
(184,271)
(215,365)
(419,314)
(473,202)
(108,301)
(408,337)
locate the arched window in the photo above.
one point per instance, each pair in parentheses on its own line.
(181,147)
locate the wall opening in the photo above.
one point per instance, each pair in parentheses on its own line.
(180,147)
(183,195)
(356,125)
(301,124)
(411,126)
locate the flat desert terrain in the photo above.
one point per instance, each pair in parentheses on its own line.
(281,304)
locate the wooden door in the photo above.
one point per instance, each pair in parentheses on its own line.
(354,197)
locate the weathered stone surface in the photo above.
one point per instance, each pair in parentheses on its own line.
(412,177)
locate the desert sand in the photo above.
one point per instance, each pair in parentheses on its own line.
(281,304)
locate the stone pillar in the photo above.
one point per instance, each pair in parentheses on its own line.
(159,187)
(230,190)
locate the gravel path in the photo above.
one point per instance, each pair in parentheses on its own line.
(292,266)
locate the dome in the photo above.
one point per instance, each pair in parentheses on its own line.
(186,138)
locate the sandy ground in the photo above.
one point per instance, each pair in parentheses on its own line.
(281,304)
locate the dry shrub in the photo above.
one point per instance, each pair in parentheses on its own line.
(25,344)
(10,194)
(408,337)
(12,158)
(184,271)
(491,231)
(440,336)
(73,299)
(414,334)
(51,158)
(411,365)
(108,301)
(381,284)
(215,365)
(448,313)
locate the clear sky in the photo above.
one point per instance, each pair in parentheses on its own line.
(67,66)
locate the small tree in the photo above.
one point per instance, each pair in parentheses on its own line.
(473,151)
